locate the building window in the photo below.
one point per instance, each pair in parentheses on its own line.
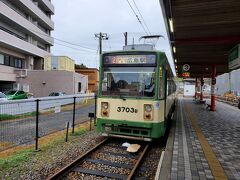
(79,87)
(54,63)
(7,60)
(18,63)
(12,61)
(1,59)
(161,83)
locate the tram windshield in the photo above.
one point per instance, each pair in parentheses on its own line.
(128,81)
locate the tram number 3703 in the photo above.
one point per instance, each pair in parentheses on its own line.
(127,110)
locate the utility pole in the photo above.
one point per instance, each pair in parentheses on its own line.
(126,38)
(230,84)
(101,36)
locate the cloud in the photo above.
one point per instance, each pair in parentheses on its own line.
(76,21)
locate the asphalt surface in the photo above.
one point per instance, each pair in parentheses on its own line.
(23,131)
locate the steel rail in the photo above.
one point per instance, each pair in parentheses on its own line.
(131,175)
(64,171)
(68,168)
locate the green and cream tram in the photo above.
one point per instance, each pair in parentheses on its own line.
(136,94)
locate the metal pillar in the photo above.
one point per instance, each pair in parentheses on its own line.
(196,88)
(213,98)
(37,125)
(201,95)
(230,85)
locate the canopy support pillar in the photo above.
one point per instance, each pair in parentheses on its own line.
(213,96)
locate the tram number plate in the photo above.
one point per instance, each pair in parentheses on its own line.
(126,109)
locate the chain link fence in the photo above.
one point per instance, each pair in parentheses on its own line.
(23,122)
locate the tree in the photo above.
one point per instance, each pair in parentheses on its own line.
(80,66)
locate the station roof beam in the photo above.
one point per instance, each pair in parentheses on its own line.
(202,32)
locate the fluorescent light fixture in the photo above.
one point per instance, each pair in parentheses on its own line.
(171,25)
(174,49)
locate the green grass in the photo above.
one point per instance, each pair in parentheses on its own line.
(14,162)
(9,116)
(79,132)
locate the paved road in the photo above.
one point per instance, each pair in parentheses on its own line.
(17,132)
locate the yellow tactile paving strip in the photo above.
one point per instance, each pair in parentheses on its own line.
(214,164)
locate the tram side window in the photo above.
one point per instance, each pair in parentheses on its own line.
(171,87)
(161,84)
(170,84)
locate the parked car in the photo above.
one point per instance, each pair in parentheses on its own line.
(57,94)
(3,97)
(14,95)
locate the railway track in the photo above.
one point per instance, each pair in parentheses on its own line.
(107,159)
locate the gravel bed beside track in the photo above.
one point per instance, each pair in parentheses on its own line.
(115,159)
(101,167)
(80,176)
(47,163)
(150,162)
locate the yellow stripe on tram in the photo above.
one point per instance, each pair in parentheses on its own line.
(214,164)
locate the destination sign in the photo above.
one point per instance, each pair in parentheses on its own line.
(129,59)
(186,74)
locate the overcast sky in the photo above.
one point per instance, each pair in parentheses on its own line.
(76,21)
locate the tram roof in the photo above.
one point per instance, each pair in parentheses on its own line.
(203,32)
(134,50)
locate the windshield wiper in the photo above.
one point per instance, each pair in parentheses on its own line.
(122,97)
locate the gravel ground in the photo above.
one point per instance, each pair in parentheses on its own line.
(150,162)
(115,159)
(80,176)
(105,168)
(102,154)
(48,162)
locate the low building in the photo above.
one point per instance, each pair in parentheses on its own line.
(93,77)
(62,63)
(41,83)
(189,87)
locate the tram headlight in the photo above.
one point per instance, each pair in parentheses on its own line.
(148,112)
(104,105)
(148,108)
(105,109)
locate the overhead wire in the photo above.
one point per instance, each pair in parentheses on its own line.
(140,22)
(141,16)
(97,57)
(75,44)
(72,51)
(84,47)
(72,47)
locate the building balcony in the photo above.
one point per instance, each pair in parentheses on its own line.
(15,18)
(13,42)
(7,73)
(48,5)
(34,10)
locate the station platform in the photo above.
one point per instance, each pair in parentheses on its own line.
(203,144)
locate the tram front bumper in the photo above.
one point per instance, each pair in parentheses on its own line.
(131,128)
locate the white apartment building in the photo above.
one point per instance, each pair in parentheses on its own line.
(25,38)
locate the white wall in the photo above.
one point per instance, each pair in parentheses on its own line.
(189,90)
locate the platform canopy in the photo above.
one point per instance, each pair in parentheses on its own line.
(202,32)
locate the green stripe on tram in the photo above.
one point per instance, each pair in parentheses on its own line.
(143,129)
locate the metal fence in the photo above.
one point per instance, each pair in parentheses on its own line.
(23,122)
